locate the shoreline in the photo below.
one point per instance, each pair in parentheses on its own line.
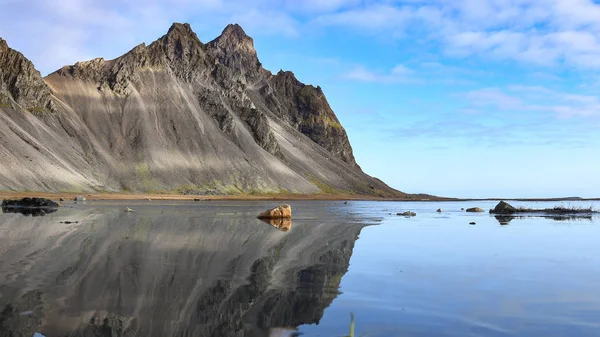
(276,197)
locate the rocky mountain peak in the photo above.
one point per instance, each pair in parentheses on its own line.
(181,30)
(234,39)
(21,83)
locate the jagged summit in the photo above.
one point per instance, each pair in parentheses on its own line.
(181,28)
(233,39)
(21,83)
(235,31)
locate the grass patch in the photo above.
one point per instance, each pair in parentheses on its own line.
(558,210)
(505,208)
(144,177)
(36,110)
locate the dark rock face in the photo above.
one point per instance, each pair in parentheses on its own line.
(503,208)
(21,83)
(306,109)
(177,115)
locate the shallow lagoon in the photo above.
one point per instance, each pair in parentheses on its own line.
(211,269)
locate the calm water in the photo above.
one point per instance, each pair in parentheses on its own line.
(212,269)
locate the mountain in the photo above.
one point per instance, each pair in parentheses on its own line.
(177,115)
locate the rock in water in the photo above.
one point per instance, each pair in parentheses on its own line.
(80,198)
(475,210)
(128,210)
(503,208)
(280,212)
(440,210)
(29,203)
(407,213)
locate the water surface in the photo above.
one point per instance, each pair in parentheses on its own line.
(211,269)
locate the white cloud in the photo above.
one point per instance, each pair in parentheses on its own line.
(545,33)
(398,74)
(533,99)
(492,97)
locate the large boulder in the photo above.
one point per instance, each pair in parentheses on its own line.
(280,212)
(504,208)
(475,210)
(29,203)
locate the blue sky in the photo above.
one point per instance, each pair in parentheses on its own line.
(471,98)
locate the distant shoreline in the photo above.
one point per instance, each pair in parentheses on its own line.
(276,197)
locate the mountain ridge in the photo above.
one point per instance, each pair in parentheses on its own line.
(175,115)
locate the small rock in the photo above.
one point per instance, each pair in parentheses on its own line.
(61,199)
(128,210)
(439,210)
(462,209)
(80,198)
(149,199)
(475,210)
(283,211)
(346,203)
(472,223)
(407,213)
(197,199)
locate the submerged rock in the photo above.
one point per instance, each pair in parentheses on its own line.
(280,212)
(29,203)
(407,213)
(504,208)
(475,210)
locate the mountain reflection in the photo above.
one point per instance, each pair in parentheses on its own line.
(168,274)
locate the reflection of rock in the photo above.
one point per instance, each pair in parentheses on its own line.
(504,219)
(29,206)
(283,211)
(171,274)
(29,203)
(29,211)
(475,210)
(282,224)
(503,208)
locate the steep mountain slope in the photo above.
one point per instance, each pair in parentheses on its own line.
(176,115)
